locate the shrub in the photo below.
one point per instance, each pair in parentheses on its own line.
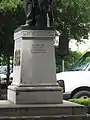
(81,101)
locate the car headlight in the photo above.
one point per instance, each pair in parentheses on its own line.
(61,84)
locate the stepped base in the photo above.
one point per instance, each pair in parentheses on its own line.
(66,109)
(77,117)
(35,94)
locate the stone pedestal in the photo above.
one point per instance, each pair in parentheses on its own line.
(34,72)
(65,111)
(34,93)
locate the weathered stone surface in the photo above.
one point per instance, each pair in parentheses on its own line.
(47,118)
(34,94)
(34,72)
(67,108)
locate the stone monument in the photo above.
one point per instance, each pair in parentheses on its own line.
(34,59)
(34,93)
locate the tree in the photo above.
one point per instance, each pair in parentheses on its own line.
(11,16)
(71,19)
(11,13)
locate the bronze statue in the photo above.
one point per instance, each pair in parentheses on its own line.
(38,13)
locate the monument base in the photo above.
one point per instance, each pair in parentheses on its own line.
(35,94)
(65,111)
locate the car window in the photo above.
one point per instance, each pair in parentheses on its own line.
(82,63)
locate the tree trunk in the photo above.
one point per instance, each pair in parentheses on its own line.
(8,69)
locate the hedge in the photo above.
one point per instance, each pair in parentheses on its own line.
(81,101)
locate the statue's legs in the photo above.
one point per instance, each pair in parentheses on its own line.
(50,12)
(45,8)
(41,20)
(30,12)
(50,18)
(42,17)
(36,12)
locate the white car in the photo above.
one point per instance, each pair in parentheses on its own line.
(3,76)
(76,81)
(3,79)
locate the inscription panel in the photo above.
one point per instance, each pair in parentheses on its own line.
(38,48)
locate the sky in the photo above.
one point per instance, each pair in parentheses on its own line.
(76,46)
(80,47)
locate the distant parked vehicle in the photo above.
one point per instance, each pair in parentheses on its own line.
(76,81)
(3,75)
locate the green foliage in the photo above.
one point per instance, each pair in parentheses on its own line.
(81,101)
(70,59)
(72,17)
(10,5)
(11,16)
(4,60)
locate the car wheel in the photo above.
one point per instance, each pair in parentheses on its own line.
(82,94)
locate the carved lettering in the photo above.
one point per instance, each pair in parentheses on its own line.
(38,48)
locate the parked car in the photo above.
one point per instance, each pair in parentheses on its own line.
(3,75)
(76,81)
(3,79)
